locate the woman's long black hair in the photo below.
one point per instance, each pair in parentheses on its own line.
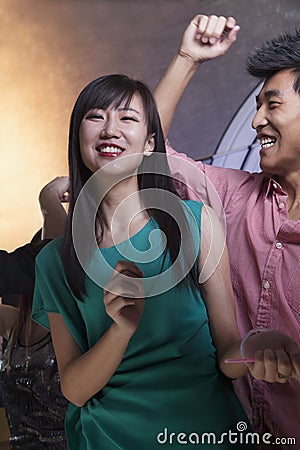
(115,90)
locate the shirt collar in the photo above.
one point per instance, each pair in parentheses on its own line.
(273,186)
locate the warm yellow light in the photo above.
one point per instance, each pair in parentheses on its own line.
(33,136)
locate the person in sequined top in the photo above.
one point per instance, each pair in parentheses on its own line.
(34,405)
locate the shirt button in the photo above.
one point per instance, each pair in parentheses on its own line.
(281,205)
(266,285)
(274,185)
(278,245)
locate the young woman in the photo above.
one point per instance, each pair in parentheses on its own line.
(140,347)
(29,378)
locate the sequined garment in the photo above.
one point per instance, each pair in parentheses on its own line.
(32,398)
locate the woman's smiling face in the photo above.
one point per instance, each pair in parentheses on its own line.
(107,136)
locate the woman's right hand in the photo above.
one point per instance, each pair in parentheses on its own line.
(124,297)
(84,374)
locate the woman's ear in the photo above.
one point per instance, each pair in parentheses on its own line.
(149,146)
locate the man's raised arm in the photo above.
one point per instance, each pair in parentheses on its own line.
(206,37)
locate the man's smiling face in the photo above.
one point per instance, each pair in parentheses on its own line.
(277,123)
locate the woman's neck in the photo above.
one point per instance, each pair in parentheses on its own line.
(123,212)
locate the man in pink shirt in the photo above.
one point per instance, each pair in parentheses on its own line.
(261,210)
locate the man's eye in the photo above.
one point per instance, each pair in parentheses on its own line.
(273,105)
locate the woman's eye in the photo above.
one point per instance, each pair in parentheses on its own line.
(94,117)
(129,118)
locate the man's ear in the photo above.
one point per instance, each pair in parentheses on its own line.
(149,146)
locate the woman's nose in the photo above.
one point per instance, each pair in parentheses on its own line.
(110,129)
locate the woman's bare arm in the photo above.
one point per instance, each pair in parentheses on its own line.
(218,294)
(274,353)
(82,375)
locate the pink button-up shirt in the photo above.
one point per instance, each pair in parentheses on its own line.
(264,252)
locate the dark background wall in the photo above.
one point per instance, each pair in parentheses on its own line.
(49,49)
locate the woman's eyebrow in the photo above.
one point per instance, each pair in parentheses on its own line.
(128,109)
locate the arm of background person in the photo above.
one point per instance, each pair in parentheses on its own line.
(17,267)
(54,215)
(206,37)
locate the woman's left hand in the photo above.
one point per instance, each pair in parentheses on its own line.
(277,356)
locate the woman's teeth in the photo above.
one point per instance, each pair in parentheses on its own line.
(110,150)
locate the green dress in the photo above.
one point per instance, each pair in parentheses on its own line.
(167,391)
